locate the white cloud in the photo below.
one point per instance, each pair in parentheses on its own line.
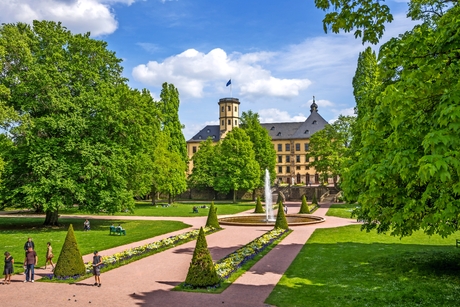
(79,16)
(277,116)
(192,71)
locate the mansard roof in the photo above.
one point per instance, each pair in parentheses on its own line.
(208,131)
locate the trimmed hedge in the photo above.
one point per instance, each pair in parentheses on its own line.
(281,221)
(202,272)
(259,208)
(70,261)
(212,220)
(304,209)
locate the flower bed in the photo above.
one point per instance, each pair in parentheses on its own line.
(232,262)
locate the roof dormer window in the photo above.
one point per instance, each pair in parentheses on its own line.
(272,128)
(279,134)
(307,131)
(208,130)
(199,137)
(314,122)
(213,136)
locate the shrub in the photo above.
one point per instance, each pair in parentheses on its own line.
(314,201)
(70,262)
(202,272)
(280,198)
(212,220)
(281,221)
(259,208)
(304,207)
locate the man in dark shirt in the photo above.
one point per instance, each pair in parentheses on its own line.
(29,243)
(30,262)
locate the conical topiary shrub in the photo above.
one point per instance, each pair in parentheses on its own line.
(304,207)
(281,221)
(70,262)
(279,199)
(202,272)
(259,208)
(212,220)
(314,201)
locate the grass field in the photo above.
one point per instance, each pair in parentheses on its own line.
(347,267)
(177,209)
(15,231)
(341,210)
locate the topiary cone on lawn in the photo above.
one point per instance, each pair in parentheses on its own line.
(314,201)
(304,207)
(70,262)
(259,208)
(212,220)
(202,272)
(281,221)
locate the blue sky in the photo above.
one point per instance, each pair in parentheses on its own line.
(275,52)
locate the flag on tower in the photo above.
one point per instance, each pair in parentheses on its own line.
(229,82)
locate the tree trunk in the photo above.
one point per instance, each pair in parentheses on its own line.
(51,218)
(254,194)
(153,194)
(234,196)
(170,199)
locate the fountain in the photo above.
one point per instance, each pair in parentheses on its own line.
(268,199)
(269,219)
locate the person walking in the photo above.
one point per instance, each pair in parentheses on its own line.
(49,256)
(30,262)
(8,269)
(97,262)
(29,243)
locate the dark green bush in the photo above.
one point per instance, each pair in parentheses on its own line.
(202,272)
(281,221)
(259,208)
(212,220)
(70,262)
(304,207)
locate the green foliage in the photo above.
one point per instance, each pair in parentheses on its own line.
(70,262)
(407,162)
(304,209)
(237,167)
(204,170)
(281,221)
(212,220)
(315,199)
(279,198)
(259,208)
(265,153)
(202,272)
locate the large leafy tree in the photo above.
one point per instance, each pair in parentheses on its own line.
(237,167)
(73,140)
(329,147)
(264,151)
(204,161)
(408,156)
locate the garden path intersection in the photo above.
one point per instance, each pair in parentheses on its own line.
(149,281)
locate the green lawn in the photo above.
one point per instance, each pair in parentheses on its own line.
(15,231)
(347,267)
(341,210)
(178,209)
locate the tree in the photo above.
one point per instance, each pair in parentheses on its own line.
(329,147)
(204,170)
(212,220)
(259,208)
(202,272)
(237,168)
(264,151)
(304,209)
(281,221)
(409,151)
(73,141)
(70,262)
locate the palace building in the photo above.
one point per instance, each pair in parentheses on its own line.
(290,140)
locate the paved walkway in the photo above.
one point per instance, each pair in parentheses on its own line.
(148,282)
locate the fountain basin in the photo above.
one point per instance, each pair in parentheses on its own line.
(261,220)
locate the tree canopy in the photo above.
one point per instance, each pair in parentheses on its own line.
(408,159)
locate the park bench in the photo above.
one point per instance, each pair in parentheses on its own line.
(117,231)
(457,242)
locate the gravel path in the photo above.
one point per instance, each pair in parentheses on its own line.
(148,282)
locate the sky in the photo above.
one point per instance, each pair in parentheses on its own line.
(275,52)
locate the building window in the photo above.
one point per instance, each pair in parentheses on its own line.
(194,149)
(288,169)
(199,137)
(236,109)
(222,109)
(297,167)
(279,134)
(288,147)
(235,122)
(297,158)
(288,159)
(208,131)
(222,122)
(280,147)
(307,146)
(314,122)
(280,159)
(297,147)
(229,108)
(272,128)
(213,136)
(229,122)
(306,132)
(280,169)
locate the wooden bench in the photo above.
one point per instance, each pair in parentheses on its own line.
(117,231)
(457,242)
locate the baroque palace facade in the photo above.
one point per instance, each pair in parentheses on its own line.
(290,140)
